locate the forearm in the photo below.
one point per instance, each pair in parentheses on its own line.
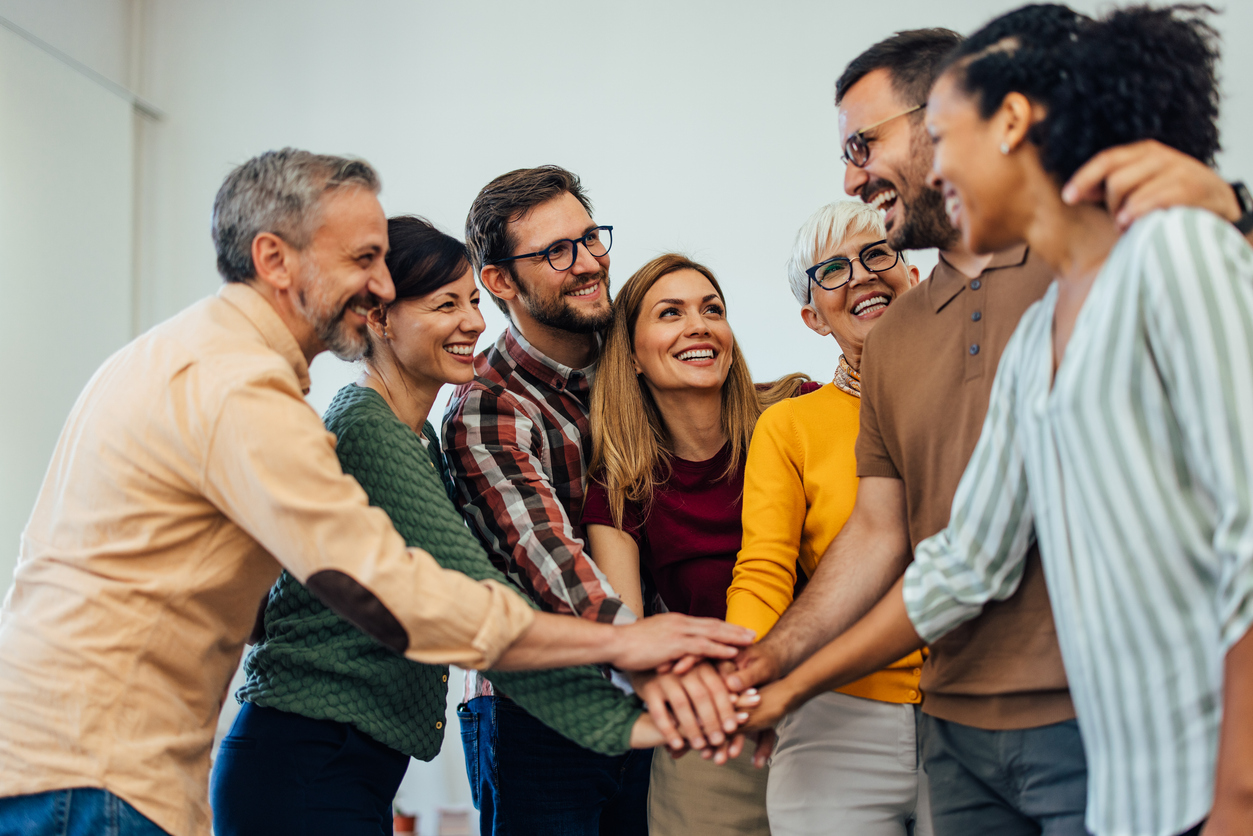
(858,568)
(1233,784)
(883,636)
(559,641)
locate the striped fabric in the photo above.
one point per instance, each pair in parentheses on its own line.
(1134,472)
(518,441)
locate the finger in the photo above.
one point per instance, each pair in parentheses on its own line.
(645,734)
(696,646)
(748,698)
(1127,179)
(765,747)
(689,726)
(1145,200)
(654,698)
(721,699)
(703,704)
(1087,185)
(737,746)
(721,753)
(684,665)
(721,631)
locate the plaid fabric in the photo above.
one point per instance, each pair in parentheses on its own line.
(518,441)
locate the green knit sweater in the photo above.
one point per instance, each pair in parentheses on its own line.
(313,663)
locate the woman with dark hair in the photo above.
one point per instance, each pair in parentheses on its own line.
(330,717)
(1120,427)
(673,410)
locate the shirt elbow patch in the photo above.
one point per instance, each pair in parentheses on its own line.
(360,606)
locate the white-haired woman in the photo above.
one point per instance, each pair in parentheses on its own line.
(847,761)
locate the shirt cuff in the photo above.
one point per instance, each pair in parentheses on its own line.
(508,617)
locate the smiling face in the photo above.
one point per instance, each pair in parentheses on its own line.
(981,185)
(894,179)
(342,272)
(575,300)
(433,337)
(850,312)
(682,338)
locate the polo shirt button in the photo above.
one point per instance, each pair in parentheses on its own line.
(975,284)
(976,316)
(974,349)
(439,724)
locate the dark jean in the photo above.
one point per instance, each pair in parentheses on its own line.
(1028,782)
(280,773)
(526,778)
(77,812)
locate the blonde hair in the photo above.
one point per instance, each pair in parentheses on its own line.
(631,447)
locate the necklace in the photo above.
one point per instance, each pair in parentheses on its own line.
(847,379)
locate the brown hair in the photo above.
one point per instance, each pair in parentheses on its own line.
(631,447)
(506,200)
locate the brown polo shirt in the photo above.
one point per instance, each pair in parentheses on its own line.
(926,375)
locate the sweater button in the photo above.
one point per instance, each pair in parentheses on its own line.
(913,695)
(444,677)
(439,724)
(974,349)
(917,671)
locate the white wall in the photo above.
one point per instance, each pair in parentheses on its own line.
(65,258)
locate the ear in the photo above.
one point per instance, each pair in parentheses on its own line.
(275,261)
(498,282)
(913,275)
(1017,115)
(814,322)
(376,319)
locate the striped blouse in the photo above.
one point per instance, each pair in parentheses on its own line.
(1133,469)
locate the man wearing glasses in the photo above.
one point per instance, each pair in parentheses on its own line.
(999,741)
(518,441)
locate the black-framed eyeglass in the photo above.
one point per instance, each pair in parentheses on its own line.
(857,147)
(836,272)
(562,254)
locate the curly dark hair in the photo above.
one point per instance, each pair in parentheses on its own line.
(1137,73)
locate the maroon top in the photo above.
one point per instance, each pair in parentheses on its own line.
(692,534)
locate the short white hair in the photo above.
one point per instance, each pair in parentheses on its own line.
(826,229)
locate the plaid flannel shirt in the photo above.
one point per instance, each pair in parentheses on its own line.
(518,441)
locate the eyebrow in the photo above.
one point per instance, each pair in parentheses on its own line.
(555,240)
(682,301)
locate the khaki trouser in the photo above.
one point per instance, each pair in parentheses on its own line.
(692,796)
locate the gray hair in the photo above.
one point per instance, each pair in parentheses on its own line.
(824,230)
(278,192)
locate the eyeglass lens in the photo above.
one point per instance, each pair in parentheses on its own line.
(563,254)
(876,259)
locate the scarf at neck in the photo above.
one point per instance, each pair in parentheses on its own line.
(847,379)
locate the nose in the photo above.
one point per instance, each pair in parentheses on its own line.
(860,275)
(854,179)
(585,263)
(380,282)
(472,322)
(697,324)
(934,180)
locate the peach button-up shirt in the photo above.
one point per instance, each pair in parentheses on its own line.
(188,473)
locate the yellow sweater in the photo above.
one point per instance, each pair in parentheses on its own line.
(801,459)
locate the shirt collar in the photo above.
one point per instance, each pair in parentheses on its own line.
(947,281)
(544,367)
(248,301)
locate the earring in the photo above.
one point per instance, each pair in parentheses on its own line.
(1005,148)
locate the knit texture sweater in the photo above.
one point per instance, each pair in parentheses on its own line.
(313,663)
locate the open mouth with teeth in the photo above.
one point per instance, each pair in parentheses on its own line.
(953,208)
(869,305)
(696,355)
(883,201)
(460,349)
(583,292)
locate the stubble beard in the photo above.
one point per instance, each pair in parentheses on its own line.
(327,321)
(924,223)
(560,314)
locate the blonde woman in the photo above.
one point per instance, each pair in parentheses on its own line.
(673,409)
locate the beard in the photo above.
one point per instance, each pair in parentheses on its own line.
(558,313)
(921,221)
(327,319)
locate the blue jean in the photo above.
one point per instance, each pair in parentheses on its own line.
(279,773)
(526,778)
(76,812)
(1021,782)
